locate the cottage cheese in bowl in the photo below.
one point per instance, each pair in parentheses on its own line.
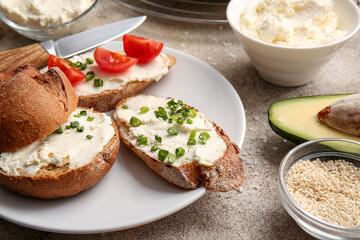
(43,13)
(292,22)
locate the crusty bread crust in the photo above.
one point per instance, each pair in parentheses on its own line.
(33,105)
(55,182)
(107,100)
(225,174)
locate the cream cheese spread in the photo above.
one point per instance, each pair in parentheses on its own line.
(73,147)
(291,22)
(43,13)
(139,72)
(205,154)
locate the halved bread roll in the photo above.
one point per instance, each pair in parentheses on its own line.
(179,143)
(66,162)
(33,105)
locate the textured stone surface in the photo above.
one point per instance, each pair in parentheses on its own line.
(254,210)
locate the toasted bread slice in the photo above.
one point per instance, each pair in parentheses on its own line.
(71,175)
(214,164)
(107,100)
(33,105)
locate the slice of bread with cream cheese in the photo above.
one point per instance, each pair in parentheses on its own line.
(70,155)
(179,143)
(117,86)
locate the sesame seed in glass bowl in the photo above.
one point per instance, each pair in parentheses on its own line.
(319,186)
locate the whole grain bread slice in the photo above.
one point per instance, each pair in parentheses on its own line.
(33,105)
(54,182)
(107,100)
(225,174)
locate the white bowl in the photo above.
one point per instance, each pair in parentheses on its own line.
(292,66)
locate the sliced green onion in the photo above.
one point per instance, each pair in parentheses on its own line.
(77,115)
(89,136)
(189,121)
(191,142)
(83,66)
(174,117)
(135,122)
(144,109)
(161,113)
(154,147)
(157,138)
(59,130)
(185,112)
(170,120)
(78,64)
(74,124)
(171,158)
(89,76)
(142,140)
(192,113)
(172,131)
(89,61)
(180,151)
(205,134)
(80,129)
(162,154)
(125,107)
(89,119)
(180,120)
(83,113)
(98,82)
(67,127)
(193,134)
(180,102)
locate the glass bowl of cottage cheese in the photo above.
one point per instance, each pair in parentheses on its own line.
(289,41)
(47,19)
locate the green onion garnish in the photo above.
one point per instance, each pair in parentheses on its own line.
(180,102)
(203,137)
(125,107)
(162,155)
(179,152)
(142,140)
(171,158)
(144,109)
(83,66)
(154,147)
(161,113)
(170,120)
(78,64)
(80,129)
(89,61)
(89,119)
(135,122)
(157,138)
(192,113)
(189,121)
(98,82)
(89,136)
(89,76)
(191,142)
(77,115)
(172,131)
(59,130)
(174,117)
(193,134)
(83,113)
(180,120)
(67,127)
(185,112)
(74,124)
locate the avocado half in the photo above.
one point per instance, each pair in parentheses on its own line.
(295,119)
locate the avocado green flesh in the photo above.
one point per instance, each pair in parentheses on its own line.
(295,119)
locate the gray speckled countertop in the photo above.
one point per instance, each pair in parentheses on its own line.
(253,211)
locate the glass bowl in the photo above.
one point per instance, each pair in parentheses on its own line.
(77,24)
(325,150)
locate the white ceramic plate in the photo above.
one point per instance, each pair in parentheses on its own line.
(131,194)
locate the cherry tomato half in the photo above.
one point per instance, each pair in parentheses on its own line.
(113,61)
(144,49)
(74,75)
